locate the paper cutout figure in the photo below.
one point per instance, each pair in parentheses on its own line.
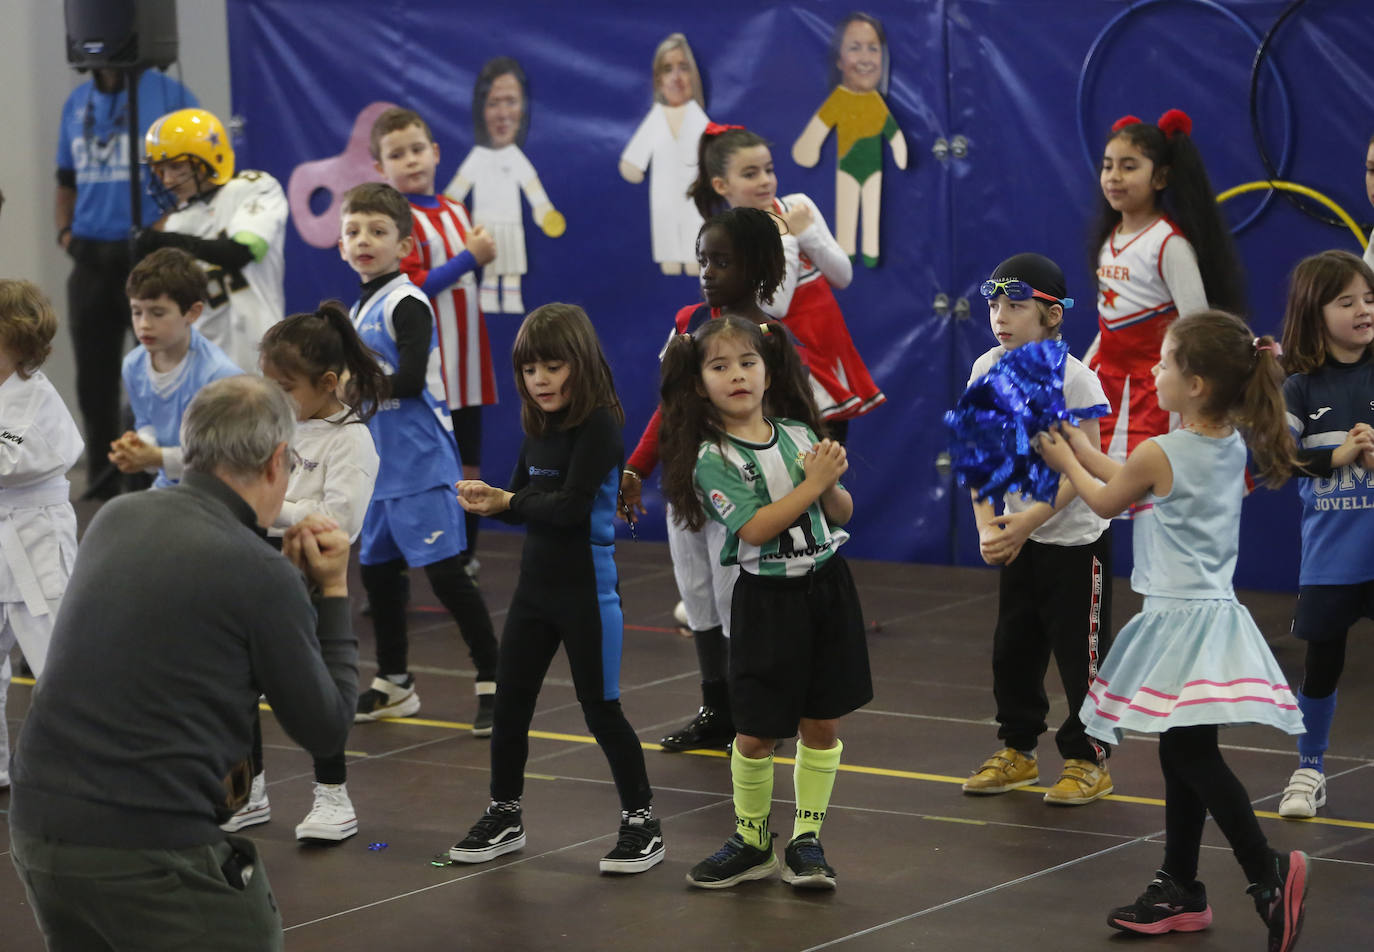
(336,175)
(859,73)
(496,172)
(666,145)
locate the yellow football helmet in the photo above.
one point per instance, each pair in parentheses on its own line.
(192,134)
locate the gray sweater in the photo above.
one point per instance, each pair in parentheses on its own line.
(178,614)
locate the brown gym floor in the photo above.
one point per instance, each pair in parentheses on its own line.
(920,865)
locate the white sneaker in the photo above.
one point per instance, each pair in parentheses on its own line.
(680,615)
(385,698)
(332,817)
(256,810)
(1306,791)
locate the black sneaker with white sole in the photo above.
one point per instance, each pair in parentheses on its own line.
(639,847)
(494,835)
(735,862)
(805,866)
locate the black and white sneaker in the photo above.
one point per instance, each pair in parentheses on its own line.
(640,847)
(805,866)
(733,863)
(494,835)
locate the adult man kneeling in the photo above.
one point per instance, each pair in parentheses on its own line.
(178,614)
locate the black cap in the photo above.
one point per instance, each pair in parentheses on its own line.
(1039,272)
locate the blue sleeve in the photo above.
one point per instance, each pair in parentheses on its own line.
(448,273)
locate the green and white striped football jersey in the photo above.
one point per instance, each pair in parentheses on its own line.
(737,478)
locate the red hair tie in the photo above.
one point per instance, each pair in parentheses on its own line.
(715,129)
(1175,121)
(1125,121)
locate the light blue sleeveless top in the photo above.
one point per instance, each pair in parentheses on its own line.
(1185,544)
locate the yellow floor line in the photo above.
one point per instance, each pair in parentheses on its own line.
(871,771)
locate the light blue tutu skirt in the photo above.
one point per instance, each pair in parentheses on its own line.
(1183,662)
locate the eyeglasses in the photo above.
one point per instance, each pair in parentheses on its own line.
(1018,290)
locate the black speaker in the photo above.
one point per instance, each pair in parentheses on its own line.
(123,34)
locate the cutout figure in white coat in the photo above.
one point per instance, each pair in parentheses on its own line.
(496,172)
(666,145)
(859,73)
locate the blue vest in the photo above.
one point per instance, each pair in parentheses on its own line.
(414,435)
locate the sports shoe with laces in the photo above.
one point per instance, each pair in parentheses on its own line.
(1166,905)
(256,810)
(805,866)
(385,698)
(1280,902)
(709,729)
(1306,791)
(1081,782)
(332,818)
(1005,770)
(494,835)
(733,863)
(639,847)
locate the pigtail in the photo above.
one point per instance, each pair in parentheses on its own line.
(1263,414)
(789,384)
(1189,200)
(367,384)
(688,420)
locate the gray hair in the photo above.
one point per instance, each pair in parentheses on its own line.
(234,425)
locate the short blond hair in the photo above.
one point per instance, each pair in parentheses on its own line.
(27,324)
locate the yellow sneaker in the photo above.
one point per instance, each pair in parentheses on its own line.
(1081,782)
(1005,770)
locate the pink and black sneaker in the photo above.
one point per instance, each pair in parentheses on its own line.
(1166,905)
(1281,901)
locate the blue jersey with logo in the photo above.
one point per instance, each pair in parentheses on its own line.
(1337,510)
(93,142)
(162,412)
(414,435)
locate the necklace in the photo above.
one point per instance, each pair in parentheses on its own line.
(1202,429)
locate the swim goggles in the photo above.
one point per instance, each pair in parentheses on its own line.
(1018,290)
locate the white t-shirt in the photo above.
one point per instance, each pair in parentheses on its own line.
(1075,524)
(337,472)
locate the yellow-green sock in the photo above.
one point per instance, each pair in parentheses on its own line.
(753,782)
(814,778)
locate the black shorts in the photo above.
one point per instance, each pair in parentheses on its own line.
(797,649)
(467,431)
(1328,611)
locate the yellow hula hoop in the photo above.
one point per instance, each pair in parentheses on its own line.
(1301,190)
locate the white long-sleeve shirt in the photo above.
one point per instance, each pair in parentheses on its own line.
(336,474)
(811,255)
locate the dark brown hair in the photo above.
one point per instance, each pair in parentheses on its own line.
(713,156)
(1315,283)
(378,198)
(564,332)
(1245,385)
(27,324)
(394,120)
(168,271)
(689,417)
(321,341)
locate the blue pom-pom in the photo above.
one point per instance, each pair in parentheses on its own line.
(992,425)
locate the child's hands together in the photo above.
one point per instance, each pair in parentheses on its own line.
(799,218)
(1056,445)
(826,463)
(481,245)
(1000,541)
(131,455)
(1358,446)
(476,496)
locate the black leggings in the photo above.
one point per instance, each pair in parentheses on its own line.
(1325,662)
(1197,781)
(386,592)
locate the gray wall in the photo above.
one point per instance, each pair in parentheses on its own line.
(36,79)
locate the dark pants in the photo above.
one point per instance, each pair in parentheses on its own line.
(386,593)
(96,899)
(538,622)
(1197,781)
(98,316)
(1052,600)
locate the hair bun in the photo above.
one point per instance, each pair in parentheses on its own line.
(1175,121)
(1125,121)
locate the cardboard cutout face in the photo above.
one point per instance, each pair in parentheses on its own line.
(674,80)
(503,111)
(861,57)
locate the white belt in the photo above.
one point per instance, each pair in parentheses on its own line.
(20,566)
